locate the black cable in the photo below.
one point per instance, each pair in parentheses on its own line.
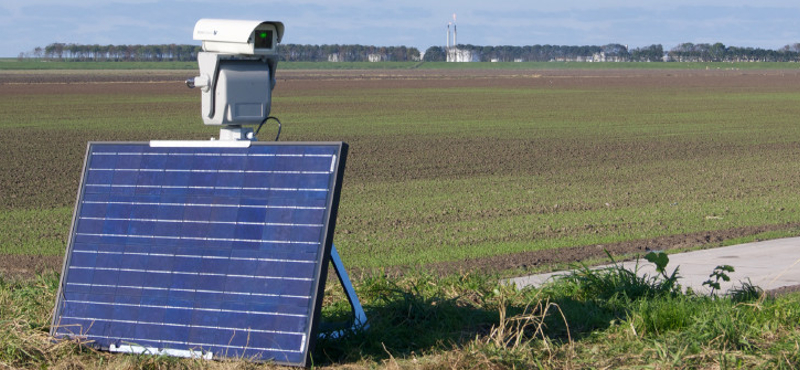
(265,121)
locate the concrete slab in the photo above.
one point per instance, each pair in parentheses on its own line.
(769,264)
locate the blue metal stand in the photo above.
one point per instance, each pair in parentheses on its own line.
(359,317)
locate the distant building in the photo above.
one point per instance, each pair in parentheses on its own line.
(462,56)
(602,57)
(454,54)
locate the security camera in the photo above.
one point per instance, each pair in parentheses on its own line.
(237,72)
(239,37)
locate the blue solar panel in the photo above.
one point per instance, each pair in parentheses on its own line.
(201,250)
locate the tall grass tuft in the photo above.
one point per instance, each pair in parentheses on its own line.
(617,282)
(515,331)
(746,292)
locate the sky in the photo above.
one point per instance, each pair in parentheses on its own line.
(769,24)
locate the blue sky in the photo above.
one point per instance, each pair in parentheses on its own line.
(771,24)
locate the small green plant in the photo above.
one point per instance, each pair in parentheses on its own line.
(720,273)
(661,260)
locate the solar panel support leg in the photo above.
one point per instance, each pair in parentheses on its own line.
(360,318)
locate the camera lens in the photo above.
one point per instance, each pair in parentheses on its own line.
(263,39)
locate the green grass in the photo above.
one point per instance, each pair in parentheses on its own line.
(31,64)
(462,322)
(34,232)
(349,65)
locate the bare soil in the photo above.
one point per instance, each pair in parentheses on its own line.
(25,267)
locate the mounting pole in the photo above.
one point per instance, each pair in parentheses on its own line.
(359,317)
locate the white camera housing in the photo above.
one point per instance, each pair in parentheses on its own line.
(242,37)
(237,71)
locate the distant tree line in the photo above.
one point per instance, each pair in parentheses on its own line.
(689,52)
(175,52)
(686,52)
(347,53)
(116,53)
(532,53)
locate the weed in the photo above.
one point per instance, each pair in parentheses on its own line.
(720,273)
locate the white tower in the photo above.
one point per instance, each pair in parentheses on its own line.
(447,45)
(455,36)
(451,53)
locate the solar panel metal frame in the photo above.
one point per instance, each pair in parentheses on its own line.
(60,329)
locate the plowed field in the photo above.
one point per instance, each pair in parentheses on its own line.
(452,171)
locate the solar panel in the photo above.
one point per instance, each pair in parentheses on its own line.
(212,249)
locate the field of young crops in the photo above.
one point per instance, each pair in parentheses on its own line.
(479,170)
(467,173)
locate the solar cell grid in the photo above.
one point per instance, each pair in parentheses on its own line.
(218,250)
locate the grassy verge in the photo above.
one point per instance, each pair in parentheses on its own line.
(591,319)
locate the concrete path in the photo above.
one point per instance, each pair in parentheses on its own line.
(769,264)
